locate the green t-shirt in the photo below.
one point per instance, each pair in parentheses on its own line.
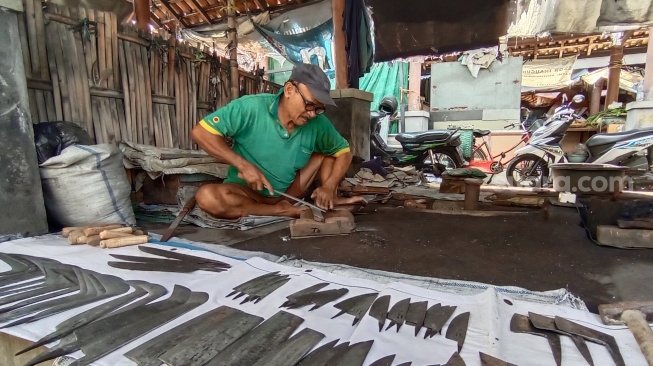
(252,122)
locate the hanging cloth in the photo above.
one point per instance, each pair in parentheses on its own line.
(359,46)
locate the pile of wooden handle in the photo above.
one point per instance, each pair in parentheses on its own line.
(105,236)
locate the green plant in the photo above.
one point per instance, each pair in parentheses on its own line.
(614,112)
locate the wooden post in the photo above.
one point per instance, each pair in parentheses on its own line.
(234,80)
(595,101)
(414,86)
(614,71)
(339,40)
(648,71)
(142,11)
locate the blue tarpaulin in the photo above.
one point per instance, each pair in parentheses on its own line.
(312,46)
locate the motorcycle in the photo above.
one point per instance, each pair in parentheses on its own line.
(531,162)
(428,151)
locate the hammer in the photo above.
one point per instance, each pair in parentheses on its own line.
(634,314)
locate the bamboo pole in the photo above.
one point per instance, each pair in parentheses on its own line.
(233,54)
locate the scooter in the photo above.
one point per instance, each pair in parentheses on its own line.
(531,162)
(428,151)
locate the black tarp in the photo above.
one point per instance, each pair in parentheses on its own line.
(427,27)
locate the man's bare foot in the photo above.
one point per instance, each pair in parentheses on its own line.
(343,201)
(287,209)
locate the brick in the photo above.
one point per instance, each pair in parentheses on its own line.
(614,236)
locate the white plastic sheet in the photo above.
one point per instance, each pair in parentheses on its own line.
(488,328)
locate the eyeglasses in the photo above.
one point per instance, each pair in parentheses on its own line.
(309,106)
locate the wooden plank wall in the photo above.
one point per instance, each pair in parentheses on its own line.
(118,84)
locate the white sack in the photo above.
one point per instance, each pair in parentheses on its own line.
(87,185)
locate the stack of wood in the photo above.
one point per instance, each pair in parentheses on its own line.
(105,236)
(632,233)
(645,223)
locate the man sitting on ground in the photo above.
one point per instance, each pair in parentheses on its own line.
(282,143)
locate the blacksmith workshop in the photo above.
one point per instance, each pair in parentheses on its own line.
(326,183)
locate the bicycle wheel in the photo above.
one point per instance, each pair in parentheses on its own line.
(479,155)
(527,171)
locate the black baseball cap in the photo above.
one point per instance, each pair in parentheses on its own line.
(315,80)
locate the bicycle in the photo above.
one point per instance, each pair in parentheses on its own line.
(496,163)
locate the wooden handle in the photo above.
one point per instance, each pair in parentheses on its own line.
(67,230)
(74,235)
(126,229)
(110,234)
(641,330)
(122,242)
(94,241)
(96,230)
(85,239)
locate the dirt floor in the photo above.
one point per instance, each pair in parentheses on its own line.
(540,250)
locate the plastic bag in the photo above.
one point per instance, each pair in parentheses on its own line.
(51,138)
(87,185)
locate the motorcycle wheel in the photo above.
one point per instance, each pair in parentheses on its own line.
(518,174)
(444,161)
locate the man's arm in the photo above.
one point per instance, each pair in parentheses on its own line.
(216,146)
(331,174)
(340,167)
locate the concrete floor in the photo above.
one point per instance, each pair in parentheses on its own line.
(538,250)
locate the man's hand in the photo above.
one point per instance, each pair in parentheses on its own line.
(324,197)
(254,178)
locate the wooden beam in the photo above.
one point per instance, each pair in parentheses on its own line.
(342,79)
(562,49)
(614,70)
(142,11)
(648,71)
(202,12)
(589,46)
(258,5)
(166,4)
(155,19)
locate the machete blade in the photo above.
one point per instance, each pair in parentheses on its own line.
(546,323)
(320,355)
(521,324)
(356,306)
(397,313)
(379,310)
(182,257)
(199,348)
(355,355)
(147,354)
(438,318)
(292,350)
(593,336)
(308,290)
(318,299)
(255,344)
(272,284)
(103,345)
(416,315)
(457,330)
(251,283)
(455,360)
(385,361)
(487,360)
